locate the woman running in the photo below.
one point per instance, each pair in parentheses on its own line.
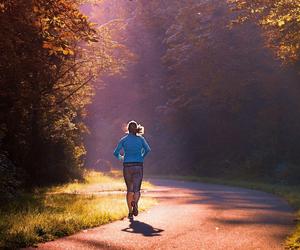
(135,148)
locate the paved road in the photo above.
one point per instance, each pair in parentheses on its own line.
(194,216)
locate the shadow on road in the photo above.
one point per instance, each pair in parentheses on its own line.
(145,229)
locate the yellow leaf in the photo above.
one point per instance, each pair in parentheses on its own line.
(281,23)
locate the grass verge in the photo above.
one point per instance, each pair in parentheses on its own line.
(95,182)
(61,210)
(290,193)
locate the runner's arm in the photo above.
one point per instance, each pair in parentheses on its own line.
(117,151)
(146,147)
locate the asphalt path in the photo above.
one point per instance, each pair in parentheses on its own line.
(193,215)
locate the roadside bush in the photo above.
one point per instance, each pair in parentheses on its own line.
(288,173)
(9,181)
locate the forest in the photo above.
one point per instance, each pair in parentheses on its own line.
(215,83)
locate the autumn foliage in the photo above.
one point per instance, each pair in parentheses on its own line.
(280,20)
(50,55)
(215,83)
(214,99)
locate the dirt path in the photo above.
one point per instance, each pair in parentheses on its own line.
(194,216)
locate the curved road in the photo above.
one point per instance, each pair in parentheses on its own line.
(194,215)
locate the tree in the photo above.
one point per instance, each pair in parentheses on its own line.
(213,98)
(50,55)
(280,21)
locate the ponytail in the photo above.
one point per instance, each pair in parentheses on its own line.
(140,129)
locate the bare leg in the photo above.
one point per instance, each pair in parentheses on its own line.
(129,198)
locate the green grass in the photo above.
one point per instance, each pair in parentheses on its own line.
(290,193)
(96,182)
(47,214)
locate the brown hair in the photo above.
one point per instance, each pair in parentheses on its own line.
(135,128)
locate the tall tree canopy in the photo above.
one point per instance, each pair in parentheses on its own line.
(209,93)
(211,96)
(280,20)
(50,55)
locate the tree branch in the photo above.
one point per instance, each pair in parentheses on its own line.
(74,91)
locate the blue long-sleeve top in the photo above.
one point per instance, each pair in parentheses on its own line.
(135,148)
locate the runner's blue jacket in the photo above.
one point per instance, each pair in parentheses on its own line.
(135,148)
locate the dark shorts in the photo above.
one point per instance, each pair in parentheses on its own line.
(133,176)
